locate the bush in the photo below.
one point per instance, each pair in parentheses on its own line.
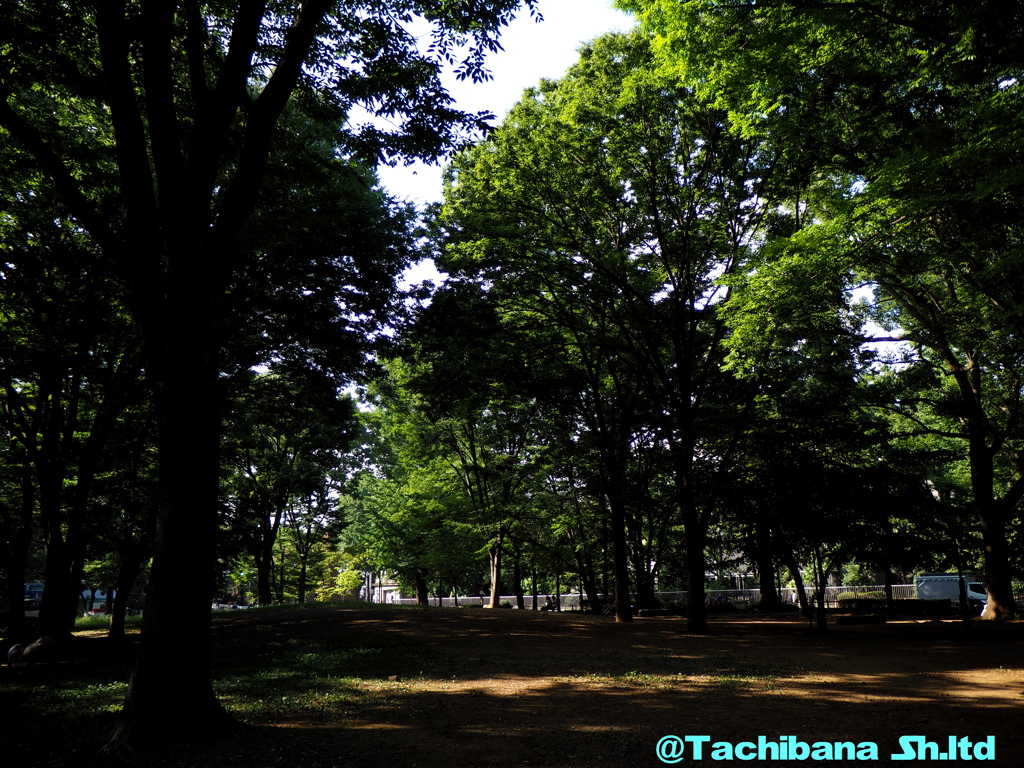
(843,596)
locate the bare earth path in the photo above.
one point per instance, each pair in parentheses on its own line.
(467,688)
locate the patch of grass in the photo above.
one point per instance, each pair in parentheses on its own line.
(50,711)
(102,621)
(729,673)
(632,679)
(322,678)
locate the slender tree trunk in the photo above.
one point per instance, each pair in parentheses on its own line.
(890,605)
(16,534)
(821,582)
(788,559)
(589,581)
(620,558)
(495,552)
(517,575)
(15,590)
(302,579)
(263,556)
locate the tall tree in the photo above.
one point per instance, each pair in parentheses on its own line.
(609,204)
(286,436)
(467,385)
(188,95)
(919,107)
(69,364)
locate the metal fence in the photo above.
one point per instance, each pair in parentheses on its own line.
(571,601)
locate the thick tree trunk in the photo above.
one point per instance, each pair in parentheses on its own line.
(422,594)
(117,607)
(174,652)
(770,599)
(766,572)
(998,574)
(264,589)
(991,514)
(644,577)
(62,584)
(695,536)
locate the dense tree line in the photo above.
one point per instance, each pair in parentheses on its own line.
(781,305)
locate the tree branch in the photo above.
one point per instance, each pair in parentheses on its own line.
(82,209)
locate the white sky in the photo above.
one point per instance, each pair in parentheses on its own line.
(532,51)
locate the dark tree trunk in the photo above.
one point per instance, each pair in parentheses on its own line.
(788,559)
(117,607)
(998,574)
(263,556)
(16,538)
(422,594)
(279,585)
(890,605)
(620,558)
(62,586)
(301,588)
(644,577)
(770,599)
(14,587)
(517,575)
(589,581)
(695,535)
(174,652)
(820,584)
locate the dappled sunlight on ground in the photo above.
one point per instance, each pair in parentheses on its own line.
(327,687)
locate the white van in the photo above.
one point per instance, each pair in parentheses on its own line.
(946,587)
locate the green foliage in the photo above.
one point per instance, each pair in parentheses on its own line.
(857,575)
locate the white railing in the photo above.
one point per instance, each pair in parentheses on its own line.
(571,601)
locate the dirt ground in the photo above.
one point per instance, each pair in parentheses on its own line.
(570,690)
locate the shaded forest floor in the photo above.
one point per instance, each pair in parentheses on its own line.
(326,687)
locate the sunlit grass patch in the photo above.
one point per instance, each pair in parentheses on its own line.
(102,621)
(728,673)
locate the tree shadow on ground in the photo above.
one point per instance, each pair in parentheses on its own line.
(444,687)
